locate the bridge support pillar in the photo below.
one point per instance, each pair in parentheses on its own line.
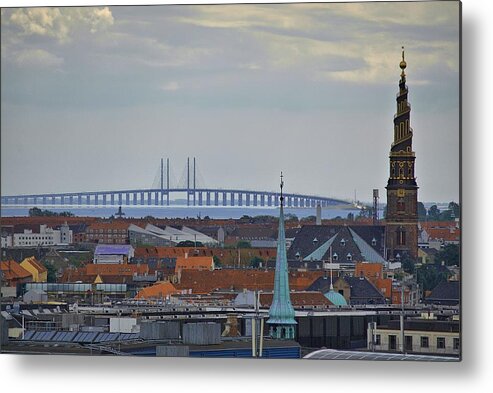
(208,198)
(142,198)
(225,199)
(52,200)
(156,198)
(70,200)
(104,199)
(269,200)
(255,196)
(232,199)
(262,200)
(247,201)
(88,199)
(167,198)
(96,199)
(216,199)
(79,199)
(112,199)
(134,200)
(200,198)
(240,199)
(276,200)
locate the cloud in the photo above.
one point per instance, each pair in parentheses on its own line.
(37,58)
(59,23)
(170,86)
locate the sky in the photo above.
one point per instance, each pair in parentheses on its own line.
(92,98)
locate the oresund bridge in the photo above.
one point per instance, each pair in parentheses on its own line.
(164,195)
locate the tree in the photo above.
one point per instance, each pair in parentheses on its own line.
(455,209)
(350,217)
(243,244)
(421,211)
(434,213)
(408,264)
(51,272)
(450,254)
(255,262)
(217,261)
(429,277)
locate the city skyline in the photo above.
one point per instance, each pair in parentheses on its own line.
(94,97)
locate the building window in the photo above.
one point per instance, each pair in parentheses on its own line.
(409,343)
(373,242)
(335,256)
(456,343)
(425,343)
(349,257)
(377,339)
(440,342)
(392,342)
(343,242)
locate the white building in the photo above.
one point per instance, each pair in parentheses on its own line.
(45,237)
(6,241)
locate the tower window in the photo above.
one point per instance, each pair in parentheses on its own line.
(401,237)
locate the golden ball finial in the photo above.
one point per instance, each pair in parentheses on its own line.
(403,63)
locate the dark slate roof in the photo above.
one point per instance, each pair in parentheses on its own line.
(445,292)
(362,288)
(321,284)
(311,237)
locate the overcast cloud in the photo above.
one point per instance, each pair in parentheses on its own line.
(93,97)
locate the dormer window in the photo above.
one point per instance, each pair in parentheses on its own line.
(335,256)
(343,242)
(297,255)
(373,242)
(349,257)
(315,241)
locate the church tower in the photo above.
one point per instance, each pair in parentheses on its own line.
(281,312)
(401,230)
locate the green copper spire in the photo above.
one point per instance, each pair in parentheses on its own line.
(281,312)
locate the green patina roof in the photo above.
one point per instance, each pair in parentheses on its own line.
(281,311)
(336,298)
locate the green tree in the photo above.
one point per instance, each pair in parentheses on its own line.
(455,209)
(217,261)
(243,244)
(255,262)
(408,264)
(429,277)
(450,254)
(434,213)
(51,272)
(421,211)
(350,217)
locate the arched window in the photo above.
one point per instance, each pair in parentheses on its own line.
(401,236)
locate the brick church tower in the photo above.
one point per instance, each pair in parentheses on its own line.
(401,223)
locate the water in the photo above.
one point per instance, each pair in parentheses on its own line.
(218,212)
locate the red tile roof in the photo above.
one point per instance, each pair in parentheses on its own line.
(194,263)
(11,270)
(207,281)
(299,299)
(157,291)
